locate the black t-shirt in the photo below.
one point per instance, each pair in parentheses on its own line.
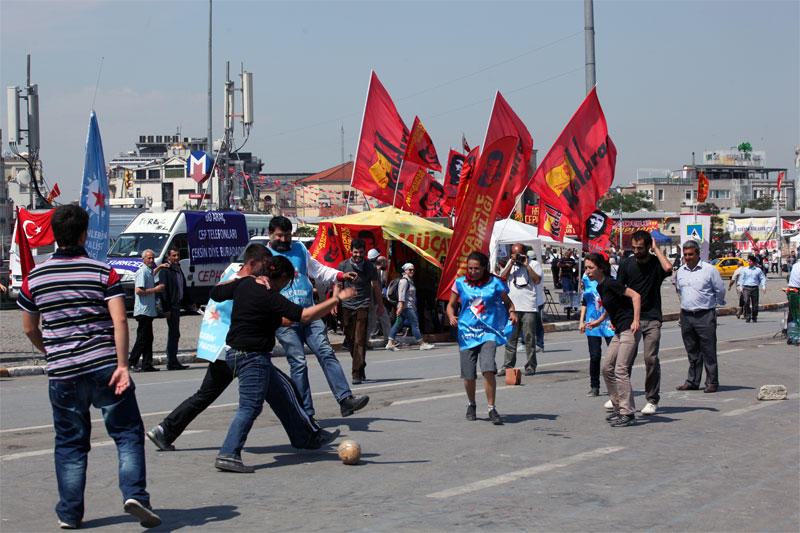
(644,278)
(568,267)
(367,273)
(618,306)
(256,314)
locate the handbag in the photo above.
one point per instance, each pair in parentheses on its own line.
(513,376)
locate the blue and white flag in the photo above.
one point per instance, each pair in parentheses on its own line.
(216,323)
(94,193)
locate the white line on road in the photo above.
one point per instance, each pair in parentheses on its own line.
(760,405)
(730,351)
(526,472)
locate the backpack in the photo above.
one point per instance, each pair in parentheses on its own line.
(393,290)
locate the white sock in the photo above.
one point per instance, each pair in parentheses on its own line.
(490,408)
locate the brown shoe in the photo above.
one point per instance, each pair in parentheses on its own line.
(686,387)
(710,388)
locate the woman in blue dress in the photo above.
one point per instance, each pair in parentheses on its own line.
(592,309)
(485,308)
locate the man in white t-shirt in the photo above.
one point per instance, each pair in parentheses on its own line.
(522,279)
(735,283)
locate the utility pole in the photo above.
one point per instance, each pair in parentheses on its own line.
(209,141)
(588,17)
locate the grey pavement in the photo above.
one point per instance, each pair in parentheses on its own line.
(704,462)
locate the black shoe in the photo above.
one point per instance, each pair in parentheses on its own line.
(623,421)
(747,320)
(157,436)
(178,367)
(611,417)
(356,381)
(755,320)
(142,511)
(501,372)
(496,419)
(471,416)
(352,404)
(321,438)
(530,370)
(232,464)
(150,369)
(314,423)
(593,392)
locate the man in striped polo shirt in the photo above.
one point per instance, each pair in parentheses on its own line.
(84,336)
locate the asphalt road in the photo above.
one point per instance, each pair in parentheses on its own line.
(711,462)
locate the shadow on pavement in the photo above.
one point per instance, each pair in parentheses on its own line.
(362,424)
(517,418)
(673,410)
(173,519)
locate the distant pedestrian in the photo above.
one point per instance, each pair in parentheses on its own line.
(751,278)
(701,290)
(84,337)
(383,320)
(735,277)
(144,312)
(521,279)
(407,310)
(485,308)
(172,298)
(592,309)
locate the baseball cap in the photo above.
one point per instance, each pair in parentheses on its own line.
(373,254)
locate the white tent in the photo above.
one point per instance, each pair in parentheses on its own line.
(510,231)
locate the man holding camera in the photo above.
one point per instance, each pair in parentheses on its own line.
(522,279)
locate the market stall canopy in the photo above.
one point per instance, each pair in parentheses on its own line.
(428,239)
(510,231)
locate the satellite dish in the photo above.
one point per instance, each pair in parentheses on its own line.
(23,177)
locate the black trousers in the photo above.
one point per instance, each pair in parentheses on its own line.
(282,397)
(143,347)
(173,336)
(750,294)
(699,332)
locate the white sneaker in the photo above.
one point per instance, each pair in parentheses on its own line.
(426,346)
(650,408)
(608,405)
(392,346)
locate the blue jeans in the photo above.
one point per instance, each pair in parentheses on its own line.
(253,370)
(410,315)
(70,399)
(313,333)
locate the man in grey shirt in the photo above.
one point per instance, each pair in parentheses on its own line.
(144,311)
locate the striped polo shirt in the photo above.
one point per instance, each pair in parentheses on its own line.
(70,291)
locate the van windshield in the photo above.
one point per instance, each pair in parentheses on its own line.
(133,244)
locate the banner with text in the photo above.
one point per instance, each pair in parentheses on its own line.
(215,236)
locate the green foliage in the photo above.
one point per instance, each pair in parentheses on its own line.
(745,147)
(627,203)
(708,209)
(761,204)
(306,231)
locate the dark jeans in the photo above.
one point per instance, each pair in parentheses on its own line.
(282,397)
(253,370)
(750,302)
(143,347)
(699,332)
(540,328)
(173,336)
(355,331)
(595,354)
(70,400)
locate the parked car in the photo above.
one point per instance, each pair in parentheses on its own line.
(728,265)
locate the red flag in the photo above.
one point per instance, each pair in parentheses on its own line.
(473,229)
(381,145)
(702,187)
(465,144)
(504,122)
(597,232)
(420,148)
(576,172)
(781,175)
(26,262)
(750,238)
(36,227)
(54,192)
(467,170)
(415,182)
(327,247)
(452,178)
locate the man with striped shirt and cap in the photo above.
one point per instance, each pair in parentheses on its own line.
(84,336)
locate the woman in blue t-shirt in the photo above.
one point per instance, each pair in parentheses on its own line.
(592,309)
(485,308)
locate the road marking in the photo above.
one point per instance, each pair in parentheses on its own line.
(729,351)
(760,405)
(526,472)
(35,453)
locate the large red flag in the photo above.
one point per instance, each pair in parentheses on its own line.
(381,145)
(26,262)
(420,148)
(36,227)
(473,228)
(702,187)
(576,172)
(504,122)
(452,179)
(467,170)
(414,181)
(327,247)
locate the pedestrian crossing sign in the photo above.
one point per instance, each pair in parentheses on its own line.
(695,232)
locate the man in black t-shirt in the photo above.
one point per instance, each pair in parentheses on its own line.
(644,272)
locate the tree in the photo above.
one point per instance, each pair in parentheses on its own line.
(306,231)
(627,203)
(708,209)
(760,204)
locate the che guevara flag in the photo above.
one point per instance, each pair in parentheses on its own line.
(467,171)
(505,122)
(36,226)
(452,179)
(702,187)
(381,145)
(576,172)
(597,232)
(473,228)
(420,148)
(327,247)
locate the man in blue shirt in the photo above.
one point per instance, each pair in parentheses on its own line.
(701,289)
(749,280)
(144,311)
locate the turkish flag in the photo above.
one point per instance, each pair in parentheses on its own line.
(452,178)
(36,227)
(702,187)
(467,170)
(576,172)
(26,262)
(502,123)
(473,228)
(381,145)
(420,148)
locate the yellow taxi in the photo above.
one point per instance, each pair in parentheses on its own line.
(728,265)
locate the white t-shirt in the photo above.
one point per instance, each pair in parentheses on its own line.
(521,289)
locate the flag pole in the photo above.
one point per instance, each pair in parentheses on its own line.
(778,226)
(358,144)
(397,185)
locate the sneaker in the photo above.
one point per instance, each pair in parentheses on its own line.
(594,391)
(178,367)
(352,404)
(541,347)
(232,464)
(609,405)
(530,370)
(142,511)
(495,417)
(356,381)
(650,408)
(610,417)
(501,372)
(426,346)
(150,369)
(66,525)
(157,436)
(471,415)
(623,421)
(392,346)
(321,438)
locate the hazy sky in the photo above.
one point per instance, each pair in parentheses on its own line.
(673,77)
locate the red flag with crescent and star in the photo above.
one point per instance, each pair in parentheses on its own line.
(702,187)
(26,262)
(36,227)
(420,148)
